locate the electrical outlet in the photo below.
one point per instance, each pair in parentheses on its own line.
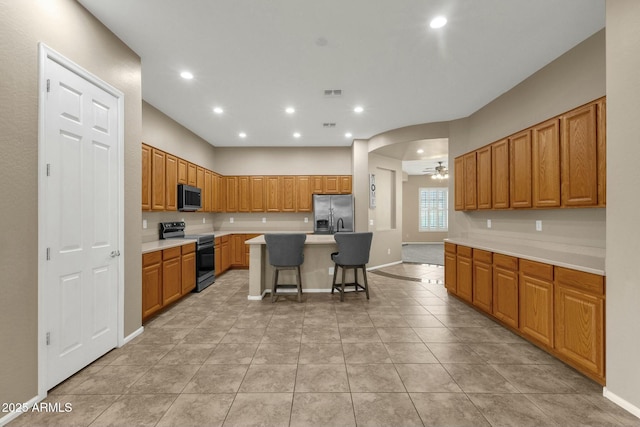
(330,271)
(264,220)
(538,225)
(182,219)
(488,223)
(204,220)
(388,251)
(306,219)
(144,223)
(231,220)
(370,222)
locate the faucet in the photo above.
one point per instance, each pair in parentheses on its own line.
(340,220)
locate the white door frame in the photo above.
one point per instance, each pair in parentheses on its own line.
(44,53)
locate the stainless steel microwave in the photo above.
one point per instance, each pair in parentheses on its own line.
(189,198)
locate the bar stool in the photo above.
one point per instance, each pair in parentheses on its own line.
(353,253)
(285,253)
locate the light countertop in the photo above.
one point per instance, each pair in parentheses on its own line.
(312,239)
(159,245)
(585,263)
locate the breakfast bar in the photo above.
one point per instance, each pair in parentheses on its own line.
(316,269)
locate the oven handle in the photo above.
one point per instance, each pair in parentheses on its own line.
(205,246)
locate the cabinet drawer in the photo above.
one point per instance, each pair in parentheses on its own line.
(171,253)
(449,247)
(482,256)
(505,261)
(465,251)
(536,269)
(187,249)
(224,239)
(151,258)
(588,282)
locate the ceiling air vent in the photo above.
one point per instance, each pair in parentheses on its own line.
(328,125)
(332,93)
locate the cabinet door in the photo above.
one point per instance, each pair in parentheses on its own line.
(482,281)
(505,295)
(237,250)
(192,174)
(303,194)
(520,170)
(206,191)
(330,184)
(151,283)
(217,251)
(244,194)
(188,271)
(274,193)
(146,177)
(231,193)
(201,185)
(470,181)
(345,183)
(182,171)
(500,174)
(157,180)
(458,170)
(171,183)
(257,193)
(464,277)
(217,194)
(247,249)
(579,157)
(287,189)
(545,158)
(317,184)
(450,272)
(171,275)
(602,152)
(483,160)
(536,309)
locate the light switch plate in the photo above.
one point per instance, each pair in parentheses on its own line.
(264,220)
(231,220)
(538,225)
(488,223)
(144,223)
(306,220)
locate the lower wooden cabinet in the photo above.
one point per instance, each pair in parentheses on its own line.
(579,320)
(505,289)
(483,280)
(559,309)
(225,254)
(536,301)
(167,275)
(464,273)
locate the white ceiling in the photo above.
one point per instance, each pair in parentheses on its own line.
(255,57)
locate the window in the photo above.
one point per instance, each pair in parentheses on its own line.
(434,214)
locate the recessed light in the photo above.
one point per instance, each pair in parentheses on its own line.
(420,151)
(242,135)
(358,109)
(348,135)
(297,135)
(218,110)
(290,110)
(438,22)
(186,75)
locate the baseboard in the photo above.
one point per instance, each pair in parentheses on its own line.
(134,334)
(422,243)
(304,291)
(621,402)
(384,265)
(25,408)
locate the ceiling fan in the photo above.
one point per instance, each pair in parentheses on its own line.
(438,172)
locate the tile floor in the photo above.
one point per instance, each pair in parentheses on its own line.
(410,356)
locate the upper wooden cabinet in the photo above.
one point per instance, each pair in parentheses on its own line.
(192,172)
(520,170)
(458,170)
(500,174)
(157,179)
(231,193)
(244,194)
(258,190)
(183,171)
(483,163)
(207,191)
(287,193)
(470,181)
(171,182)
(345,184)
(545,160)
(555,164)
(317,184)
(580,157)
(304,201)
(331,184)
(146,177)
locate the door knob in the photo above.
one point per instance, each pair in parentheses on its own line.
(115,254)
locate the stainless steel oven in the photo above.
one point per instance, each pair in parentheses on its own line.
(205,256)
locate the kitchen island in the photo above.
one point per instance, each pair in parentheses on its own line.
(315,270)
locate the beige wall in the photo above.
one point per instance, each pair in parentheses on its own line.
(283,161)
(386,246)
(411,209)
(623,203)
(69,29)
(573,79)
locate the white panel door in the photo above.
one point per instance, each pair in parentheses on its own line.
(81,226)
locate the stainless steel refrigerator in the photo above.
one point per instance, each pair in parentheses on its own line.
(332,213)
